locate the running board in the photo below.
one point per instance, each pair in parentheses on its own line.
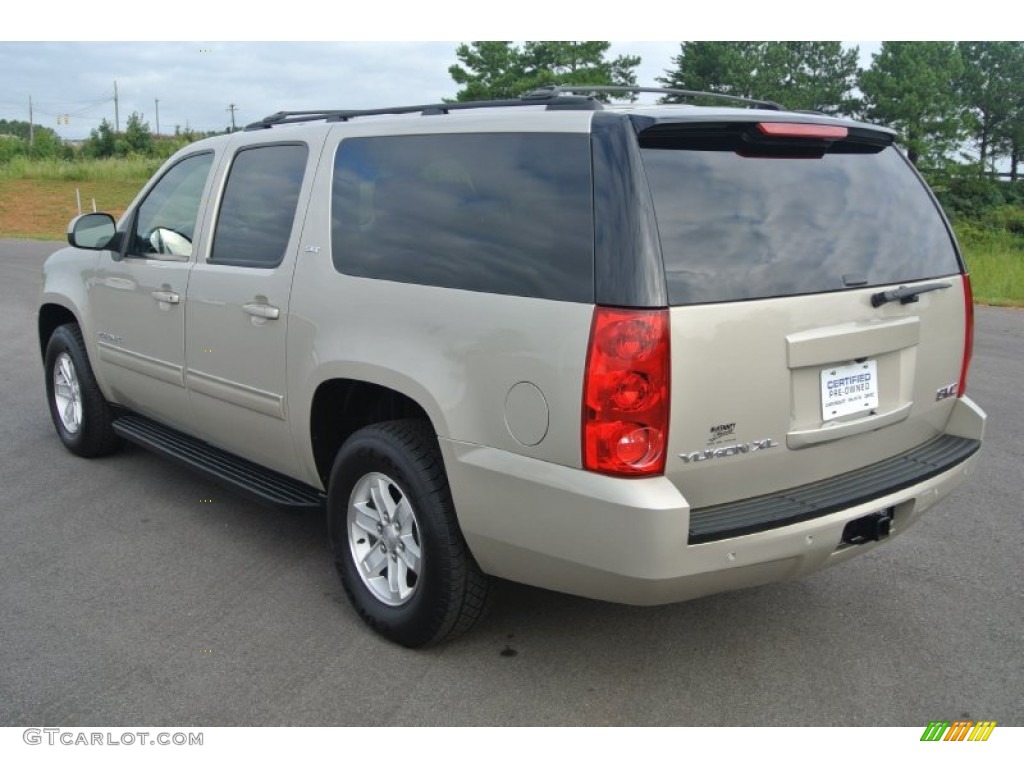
(249,478)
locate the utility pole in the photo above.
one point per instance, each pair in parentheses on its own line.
(231,108)
(117,114)
(31,124)
(157,117)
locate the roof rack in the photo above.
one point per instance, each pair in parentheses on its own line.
(549,90)
(552,100)
(553,96)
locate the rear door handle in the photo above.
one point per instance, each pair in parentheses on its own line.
(262,310)
(167,296)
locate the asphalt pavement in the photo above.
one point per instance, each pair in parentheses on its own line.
(133,591)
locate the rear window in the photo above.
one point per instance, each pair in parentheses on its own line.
(501,213)
(736,227)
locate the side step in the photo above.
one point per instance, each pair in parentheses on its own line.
(249,478)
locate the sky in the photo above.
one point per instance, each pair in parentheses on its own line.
(197,82)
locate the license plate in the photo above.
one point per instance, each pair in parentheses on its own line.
(847,389)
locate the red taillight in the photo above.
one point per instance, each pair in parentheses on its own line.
(802,130)
(968,335)
(626,392)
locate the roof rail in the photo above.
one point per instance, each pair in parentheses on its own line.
(554,96)
(554,90)
(554,100)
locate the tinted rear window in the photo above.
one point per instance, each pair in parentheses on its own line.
(502,213)
(735,227)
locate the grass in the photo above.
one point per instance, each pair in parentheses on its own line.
(111,169)
(37,200)
(995,260)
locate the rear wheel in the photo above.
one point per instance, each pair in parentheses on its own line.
(79,411)
(397,544)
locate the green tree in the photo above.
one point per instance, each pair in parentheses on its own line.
(571,62)
(101,141)
(1008,134)
(46,143)
(11,146)
(491,69)
(990,85)
(819,76)
(137,138)
(823,77)
(19,128)
(501,70)
(714,66)
(914,88)
(1011,134)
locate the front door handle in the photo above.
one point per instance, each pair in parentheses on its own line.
(262,310)
(169,297)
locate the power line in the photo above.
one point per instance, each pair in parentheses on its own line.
(78,113)
(37,102)
(93,105)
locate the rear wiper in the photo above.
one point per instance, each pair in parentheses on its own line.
(906,294)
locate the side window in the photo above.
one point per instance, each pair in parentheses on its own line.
(258,209)
(508,213)
(165,223)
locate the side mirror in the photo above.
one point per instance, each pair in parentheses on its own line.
(92,231)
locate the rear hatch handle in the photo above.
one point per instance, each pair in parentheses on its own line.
(906,294)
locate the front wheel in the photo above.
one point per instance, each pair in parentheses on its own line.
(397,544)
(77,406)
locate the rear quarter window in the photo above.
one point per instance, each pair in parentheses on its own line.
(500,213)
(738,227)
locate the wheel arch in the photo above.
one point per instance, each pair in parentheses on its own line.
(342,406)
(51,316)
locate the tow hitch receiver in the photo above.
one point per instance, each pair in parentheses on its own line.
(873,527)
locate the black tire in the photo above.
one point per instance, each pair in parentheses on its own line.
(86,430)
(447,593)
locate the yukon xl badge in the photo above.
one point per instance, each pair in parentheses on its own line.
(729,450)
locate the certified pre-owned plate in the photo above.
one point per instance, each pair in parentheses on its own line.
(847,389)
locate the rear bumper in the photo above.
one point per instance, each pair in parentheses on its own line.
(629,541)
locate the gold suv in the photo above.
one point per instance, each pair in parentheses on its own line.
(638,353)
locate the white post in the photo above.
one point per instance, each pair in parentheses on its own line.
(94,205)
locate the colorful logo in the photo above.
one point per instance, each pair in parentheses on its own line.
(958,730)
